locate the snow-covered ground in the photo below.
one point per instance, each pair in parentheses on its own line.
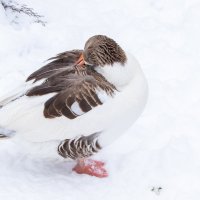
(159,158)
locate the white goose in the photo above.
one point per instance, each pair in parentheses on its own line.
(84,99)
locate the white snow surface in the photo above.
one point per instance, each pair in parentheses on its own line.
(162,149)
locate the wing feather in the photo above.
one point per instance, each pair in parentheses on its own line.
(61,62)
(69,85)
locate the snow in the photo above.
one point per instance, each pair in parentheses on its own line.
(162,149)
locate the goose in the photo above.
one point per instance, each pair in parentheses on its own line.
(82,99)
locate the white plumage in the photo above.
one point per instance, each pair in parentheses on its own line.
(117,113)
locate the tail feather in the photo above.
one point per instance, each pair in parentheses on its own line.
(4,133)
(20,92)
(16,94)
(2,136)
(11,99)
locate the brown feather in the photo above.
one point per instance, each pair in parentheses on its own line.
(61,62)
(72,87)
(73,83)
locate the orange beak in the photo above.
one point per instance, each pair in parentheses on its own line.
(80,61)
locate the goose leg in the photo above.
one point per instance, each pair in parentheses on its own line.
(80,148)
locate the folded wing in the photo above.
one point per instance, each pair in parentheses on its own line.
(62,62)
(71,87)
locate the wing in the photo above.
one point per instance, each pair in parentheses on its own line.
(62,62)
(72,87)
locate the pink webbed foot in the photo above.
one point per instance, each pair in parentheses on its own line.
(91,167)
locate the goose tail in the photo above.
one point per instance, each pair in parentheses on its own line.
(10,98)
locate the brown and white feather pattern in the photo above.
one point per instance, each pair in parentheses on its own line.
(79,147)
(75,87)
(70,85)
(62,62)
